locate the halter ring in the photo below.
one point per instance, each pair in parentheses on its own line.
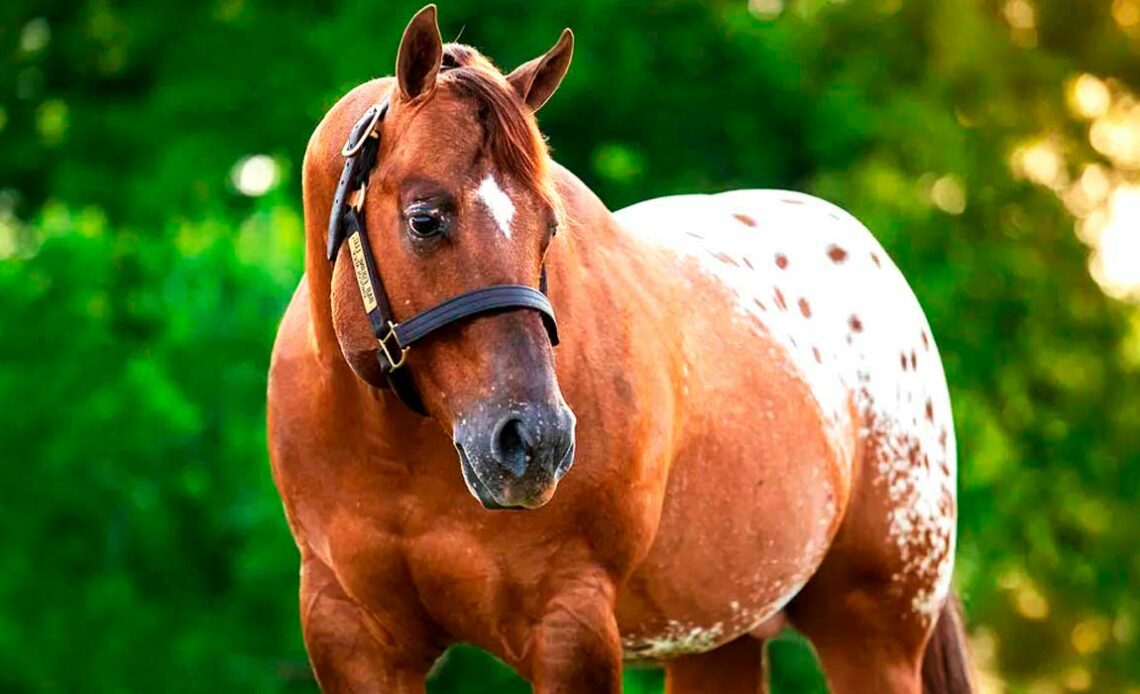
(350,148)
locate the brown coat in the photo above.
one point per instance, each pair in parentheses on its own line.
(710,482)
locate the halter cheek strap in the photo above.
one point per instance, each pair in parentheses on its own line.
(395,339)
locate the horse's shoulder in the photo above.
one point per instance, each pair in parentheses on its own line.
(294,356)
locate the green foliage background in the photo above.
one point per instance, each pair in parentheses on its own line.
(142,545)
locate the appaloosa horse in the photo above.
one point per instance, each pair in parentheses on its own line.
(749,392)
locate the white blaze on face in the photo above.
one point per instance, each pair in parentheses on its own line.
(498,204)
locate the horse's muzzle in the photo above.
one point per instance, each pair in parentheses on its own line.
(513,455)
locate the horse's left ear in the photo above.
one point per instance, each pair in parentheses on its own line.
(536,81)
(420,55)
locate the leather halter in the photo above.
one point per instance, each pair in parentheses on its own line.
(394,340)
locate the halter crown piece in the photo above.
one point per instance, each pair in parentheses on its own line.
(394,340)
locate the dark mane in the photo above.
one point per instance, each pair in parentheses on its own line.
(510,133)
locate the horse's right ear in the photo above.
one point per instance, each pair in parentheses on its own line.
(535,81)
(420,55)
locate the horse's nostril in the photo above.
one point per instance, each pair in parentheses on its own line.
(510,446)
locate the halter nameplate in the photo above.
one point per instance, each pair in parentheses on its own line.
(394,339)
(366,292)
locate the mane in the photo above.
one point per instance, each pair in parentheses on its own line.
(510,134)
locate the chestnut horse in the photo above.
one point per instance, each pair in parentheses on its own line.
(751,397)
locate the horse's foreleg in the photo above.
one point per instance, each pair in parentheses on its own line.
(576,646)
(735,668)
(349,651)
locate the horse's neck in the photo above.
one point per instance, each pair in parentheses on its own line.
(318,274)
(593,232)
(599,279)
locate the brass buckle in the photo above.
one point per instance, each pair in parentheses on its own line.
(383,342)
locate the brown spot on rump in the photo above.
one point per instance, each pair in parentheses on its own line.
(942,438)
(780,300)
(837,254)
(815,353)
(805,308)
(855,323)
(760,304)
(745,219)
(875,259)
(945,499)
(929,410)
(902,358)
(913,360)
(792,201)
(744,260)
(925,340)
(725,258)
(781,261)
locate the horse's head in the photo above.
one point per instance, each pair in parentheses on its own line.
(461,198)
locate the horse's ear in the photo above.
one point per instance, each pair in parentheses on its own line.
(536,81)
(421,51)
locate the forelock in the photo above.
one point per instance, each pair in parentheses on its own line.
(510,134)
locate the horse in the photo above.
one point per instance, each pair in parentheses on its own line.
(744,426)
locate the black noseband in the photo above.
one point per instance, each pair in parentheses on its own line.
(395,339)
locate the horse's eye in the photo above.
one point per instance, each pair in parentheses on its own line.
(425,224)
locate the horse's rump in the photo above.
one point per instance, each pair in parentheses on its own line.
(805,277)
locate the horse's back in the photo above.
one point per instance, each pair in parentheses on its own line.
(816,281)
(803,274)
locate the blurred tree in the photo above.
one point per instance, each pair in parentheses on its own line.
(146,255)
